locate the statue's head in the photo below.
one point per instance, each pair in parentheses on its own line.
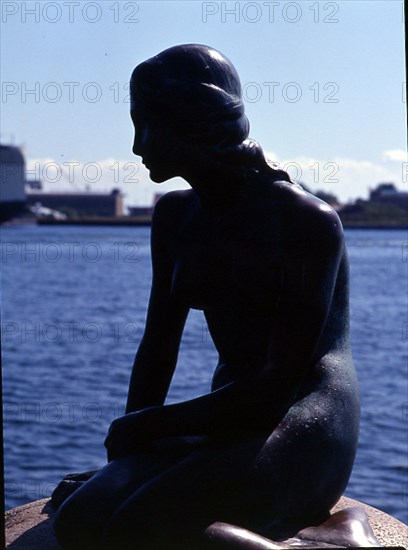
(195,91)
(186,102)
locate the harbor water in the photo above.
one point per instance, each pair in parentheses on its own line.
(73,310)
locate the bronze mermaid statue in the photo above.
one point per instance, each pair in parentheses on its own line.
(272,444)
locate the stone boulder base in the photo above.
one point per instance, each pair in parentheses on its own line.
(29,527)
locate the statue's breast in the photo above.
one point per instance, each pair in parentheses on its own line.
(231,265)
(200,275)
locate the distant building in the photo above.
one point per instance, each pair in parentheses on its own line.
(387,193)
(12,192)
(33,184)
(140,210)
(19,196)
(145,210)
(85,203)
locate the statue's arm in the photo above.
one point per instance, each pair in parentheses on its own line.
(156,357)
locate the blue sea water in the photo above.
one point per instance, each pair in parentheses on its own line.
(73,310)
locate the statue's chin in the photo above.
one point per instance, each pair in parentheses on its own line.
(157,178)
(160,177)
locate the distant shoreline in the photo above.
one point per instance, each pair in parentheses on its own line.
(146,221)
(124,220)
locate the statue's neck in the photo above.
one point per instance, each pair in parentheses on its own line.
(218,184)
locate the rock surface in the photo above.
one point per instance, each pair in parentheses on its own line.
(29,527)
(388,530)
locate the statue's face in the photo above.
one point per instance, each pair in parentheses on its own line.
(155,143)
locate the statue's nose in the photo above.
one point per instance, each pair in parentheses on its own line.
(140,141)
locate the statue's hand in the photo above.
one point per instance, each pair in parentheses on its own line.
(132,432)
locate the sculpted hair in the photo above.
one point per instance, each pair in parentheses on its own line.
(196,92)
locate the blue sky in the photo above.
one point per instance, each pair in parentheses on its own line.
(322,82)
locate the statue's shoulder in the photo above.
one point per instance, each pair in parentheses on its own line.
(173,202)
(173,199)
(309,215)
(171,210)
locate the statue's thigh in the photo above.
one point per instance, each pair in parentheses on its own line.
(304,466)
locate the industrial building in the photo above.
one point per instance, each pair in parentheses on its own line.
(387,193)
(12,183)
(79,203)
(22,197)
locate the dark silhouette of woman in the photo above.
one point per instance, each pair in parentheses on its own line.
(273,442)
